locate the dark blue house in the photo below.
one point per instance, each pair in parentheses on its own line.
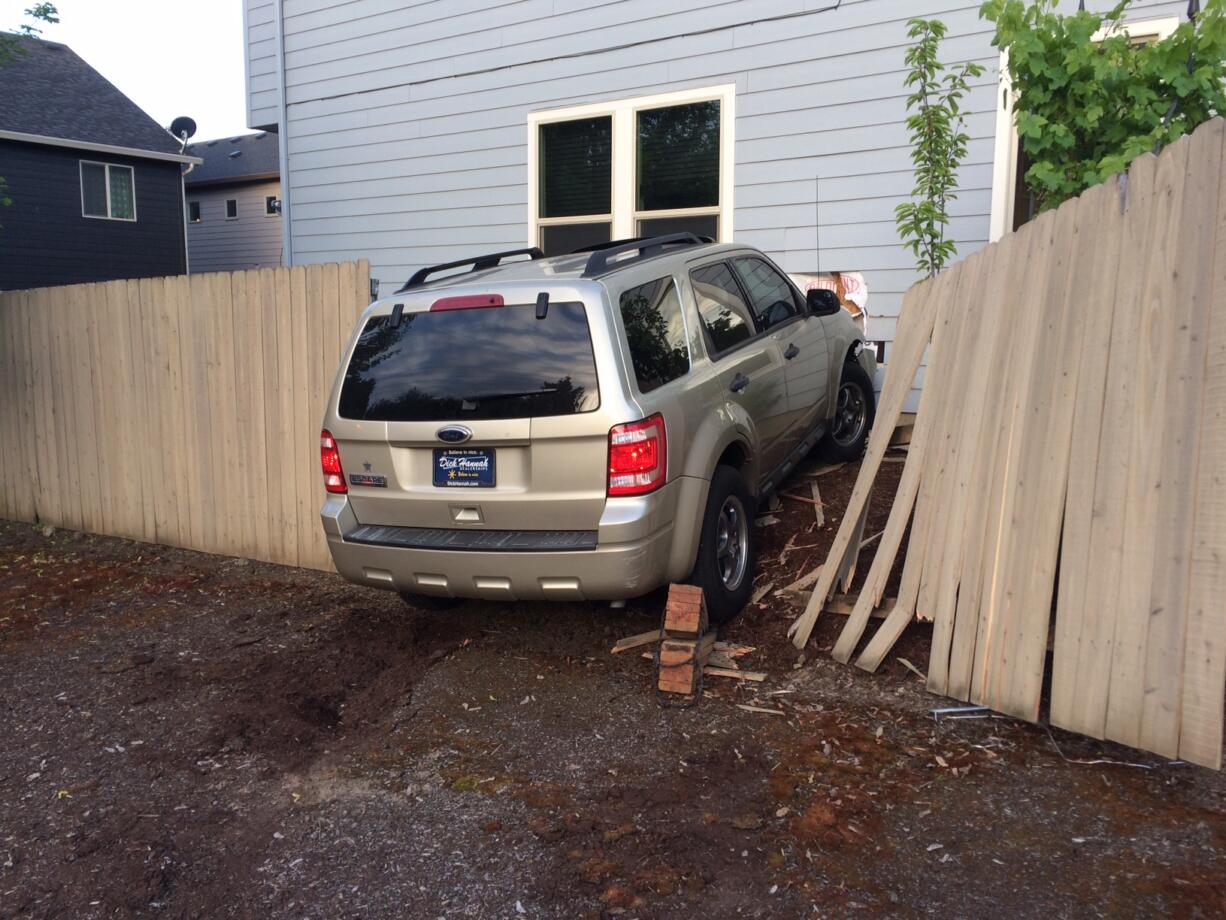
(96,184)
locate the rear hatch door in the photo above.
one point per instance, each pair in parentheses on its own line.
(478,416)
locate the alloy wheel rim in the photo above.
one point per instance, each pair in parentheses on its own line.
(732,543)
(850,414)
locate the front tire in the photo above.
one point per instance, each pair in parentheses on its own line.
(727,547)
(854,409)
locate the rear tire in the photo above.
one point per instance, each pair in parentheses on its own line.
(727,547)
(855,407)
(428,602)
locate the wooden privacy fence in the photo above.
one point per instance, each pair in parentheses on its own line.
(1072,429)
(181,410)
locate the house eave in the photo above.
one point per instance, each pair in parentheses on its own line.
(233,180)
(98,148)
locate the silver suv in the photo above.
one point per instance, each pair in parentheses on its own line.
(583,427)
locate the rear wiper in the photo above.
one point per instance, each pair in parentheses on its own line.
(513,394)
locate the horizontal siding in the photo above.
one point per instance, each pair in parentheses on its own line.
(44,239)
(219,245)
(407,121)
(261,44)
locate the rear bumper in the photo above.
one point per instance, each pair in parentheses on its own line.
(635,552)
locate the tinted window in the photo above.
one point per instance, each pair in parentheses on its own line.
(576,167)
(678,157)
(721,306)
(655,333)
(770,295)
(459,365)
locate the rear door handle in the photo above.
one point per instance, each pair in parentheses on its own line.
(739,382)
(792,351)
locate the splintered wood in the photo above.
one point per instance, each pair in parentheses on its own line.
(1072,428)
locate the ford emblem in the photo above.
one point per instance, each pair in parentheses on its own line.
(453,434)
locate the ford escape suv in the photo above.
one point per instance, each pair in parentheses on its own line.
(582,427)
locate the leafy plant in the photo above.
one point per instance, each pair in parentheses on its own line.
(1085,109)
(938,145)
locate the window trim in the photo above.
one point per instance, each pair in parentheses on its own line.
(623,216)
(106,173)
(275,212)
(199,219)
(1004,156)
(226,207)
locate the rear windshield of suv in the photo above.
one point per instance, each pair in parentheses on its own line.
(455,365)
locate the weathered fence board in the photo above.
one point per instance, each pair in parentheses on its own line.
(181,410)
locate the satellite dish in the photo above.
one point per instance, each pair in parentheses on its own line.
(183,127)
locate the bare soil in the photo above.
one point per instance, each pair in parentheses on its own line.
(185,735)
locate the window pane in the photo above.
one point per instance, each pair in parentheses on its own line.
(678,157)
(461,365)
(93,190)
(770,295)
(655,333)
(193,212)
(721,306)
(270,205)
(560,239)
(576,163)
(123,201)
(231,207)
(700,225)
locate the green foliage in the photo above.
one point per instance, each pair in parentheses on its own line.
(1086,109)
(10,45)
(938,145)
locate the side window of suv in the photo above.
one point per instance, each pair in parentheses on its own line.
(655,333)
(721,306)
(771,296)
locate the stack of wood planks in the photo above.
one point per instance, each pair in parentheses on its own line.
(1069,454)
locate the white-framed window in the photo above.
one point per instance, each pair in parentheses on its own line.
(632,167)
(1011,203)
(108,191)
(231,209)
(193,212)
(272,206)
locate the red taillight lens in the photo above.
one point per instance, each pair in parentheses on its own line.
(638,455)
(330,459)
(469,302)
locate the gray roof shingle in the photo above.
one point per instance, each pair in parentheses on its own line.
(46,89)
(235,159)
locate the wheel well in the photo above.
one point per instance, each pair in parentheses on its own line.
(734,455)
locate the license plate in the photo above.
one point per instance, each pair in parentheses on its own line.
(471,467)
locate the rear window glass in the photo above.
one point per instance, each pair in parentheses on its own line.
(456,365)
(655,333)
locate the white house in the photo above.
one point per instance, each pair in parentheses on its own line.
(416,133)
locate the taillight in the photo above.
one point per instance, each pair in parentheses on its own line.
(467,302)
(638,453)
(330,459)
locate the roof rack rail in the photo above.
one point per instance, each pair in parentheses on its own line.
(598,261)
(478,263)
(596,247)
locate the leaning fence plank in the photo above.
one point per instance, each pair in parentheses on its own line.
(1089,401)
(1125,698)
(914,332)
(1201,701)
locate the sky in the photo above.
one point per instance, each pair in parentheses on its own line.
(170,58)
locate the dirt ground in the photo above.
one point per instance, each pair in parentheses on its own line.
(187,735)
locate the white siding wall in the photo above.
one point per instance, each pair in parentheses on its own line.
(219,245)
(407,120)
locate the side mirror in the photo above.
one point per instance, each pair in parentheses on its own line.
(823,302)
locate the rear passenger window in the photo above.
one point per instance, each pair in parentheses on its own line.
(770,294)
(655,333)
(721,306)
